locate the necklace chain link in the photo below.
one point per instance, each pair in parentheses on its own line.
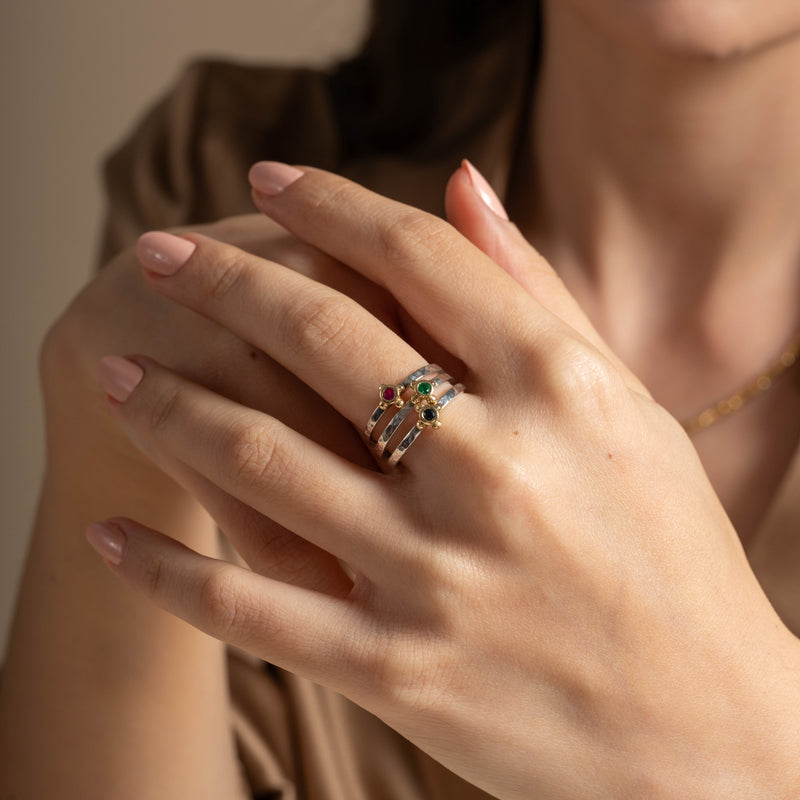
(747,393)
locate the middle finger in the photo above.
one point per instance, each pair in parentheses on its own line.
(328,340)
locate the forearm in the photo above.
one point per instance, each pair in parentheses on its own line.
(103,695)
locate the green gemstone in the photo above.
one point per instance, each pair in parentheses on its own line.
(424,387)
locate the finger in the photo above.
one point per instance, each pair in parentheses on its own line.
(304,632)
(326,339)
(300,485)
(472,214)
(265,238)
(456,292)
(270,241)
(476,212)
(268,548)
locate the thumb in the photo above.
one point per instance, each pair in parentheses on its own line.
(475,210)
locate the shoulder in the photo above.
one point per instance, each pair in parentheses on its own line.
(186,161)
(210,97)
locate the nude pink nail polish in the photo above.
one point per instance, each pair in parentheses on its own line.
(163,253)
(108,540)
(272,177)
(118,376)
(484,190)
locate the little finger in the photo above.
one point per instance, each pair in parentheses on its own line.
(267,547)
(299,630)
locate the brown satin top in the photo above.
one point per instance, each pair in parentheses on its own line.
(186,163)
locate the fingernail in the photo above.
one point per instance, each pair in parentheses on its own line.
(163,253)
(118,376)
(484,190)
(272,177)
(108,540)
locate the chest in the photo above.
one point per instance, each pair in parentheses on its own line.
(753,461)
(777,568)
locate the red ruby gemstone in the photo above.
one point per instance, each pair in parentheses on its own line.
(389,394)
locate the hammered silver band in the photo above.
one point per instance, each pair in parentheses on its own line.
(409,406)
(385,404)
(391,458)
(415,393)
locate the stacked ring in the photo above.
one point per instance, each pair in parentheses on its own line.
(392,394)
(427,386)
(422,384)
(428,418)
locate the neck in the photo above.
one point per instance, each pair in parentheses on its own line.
(668,188)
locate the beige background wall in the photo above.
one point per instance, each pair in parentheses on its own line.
(74,74)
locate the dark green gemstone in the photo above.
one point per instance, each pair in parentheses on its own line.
(424,387)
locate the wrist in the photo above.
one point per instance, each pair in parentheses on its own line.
(773,736)
(741,740)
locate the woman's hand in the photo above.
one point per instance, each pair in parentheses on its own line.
(118,312)
(547,596)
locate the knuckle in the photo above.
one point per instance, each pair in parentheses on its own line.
(324,323)
(412,235)
(154,584)
(513,489)
(288,557)
(226,276)
(254,457)
(509,479)
(388,661)
(410,672)
(586,383)
(331,199)
(225,605)
(162,407)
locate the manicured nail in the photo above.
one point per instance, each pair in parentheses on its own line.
(484,190)
(272,177)
(118,376)
(162,252)
(108,540)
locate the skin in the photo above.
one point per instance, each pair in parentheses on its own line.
(713,31)
(123,660)
(435,573)
(105,624)
(665,156)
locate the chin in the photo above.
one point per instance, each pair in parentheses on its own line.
(712,30)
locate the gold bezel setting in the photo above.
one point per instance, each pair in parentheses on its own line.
(391,394)
(428,413)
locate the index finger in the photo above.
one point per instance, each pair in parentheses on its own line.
(457,293)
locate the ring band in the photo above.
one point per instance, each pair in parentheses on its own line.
(422,389)
(392,394)
(428,417)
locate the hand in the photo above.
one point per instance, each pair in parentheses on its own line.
(98,322)
(547,596)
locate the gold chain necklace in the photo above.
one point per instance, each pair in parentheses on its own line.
(749,392)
